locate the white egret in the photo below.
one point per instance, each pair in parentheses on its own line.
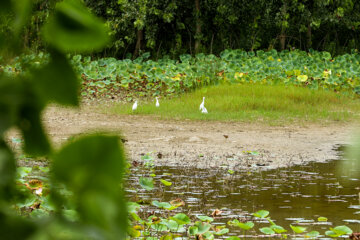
(202,104)
(204,110)
(157,102)
(134,107)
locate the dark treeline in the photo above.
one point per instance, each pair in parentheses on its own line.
(174,27)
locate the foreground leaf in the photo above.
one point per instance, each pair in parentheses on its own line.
(74,28)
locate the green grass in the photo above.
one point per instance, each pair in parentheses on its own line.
(249,103)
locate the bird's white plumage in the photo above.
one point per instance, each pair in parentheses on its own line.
(204,110)
(202,104)
(134,107)
(157,102)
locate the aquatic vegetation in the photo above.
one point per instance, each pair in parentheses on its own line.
(143,77)
(167,219)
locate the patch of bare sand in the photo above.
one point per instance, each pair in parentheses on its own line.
(202,143)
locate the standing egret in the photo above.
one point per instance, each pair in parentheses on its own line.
(134,107)
(204,110)
(202,104)
(157,102)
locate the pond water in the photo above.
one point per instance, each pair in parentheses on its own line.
(299,193)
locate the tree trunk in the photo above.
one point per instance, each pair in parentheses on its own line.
(139,38)
(308,35)
(283,29)
(198,26)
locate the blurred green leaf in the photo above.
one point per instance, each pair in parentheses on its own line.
(92,168)
(14,227)
(35,138)
(74,28)
(57,81)
(22,14)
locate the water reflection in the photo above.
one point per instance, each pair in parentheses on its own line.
(300,193)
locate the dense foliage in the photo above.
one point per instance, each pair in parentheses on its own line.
(174,27)
(109,77)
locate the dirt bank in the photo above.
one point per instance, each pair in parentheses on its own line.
(204,144)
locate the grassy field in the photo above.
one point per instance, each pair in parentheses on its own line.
(249,103)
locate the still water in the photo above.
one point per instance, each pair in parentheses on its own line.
(297,194)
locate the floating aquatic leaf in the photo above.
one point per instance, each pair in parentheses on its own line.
(159,227)
(181,218)
(202,227)
(208,235)
(164,205)
(222,231)
(205,218)
(193,230)
(146,183)
(231,171)
(166,183)
(278,229)
(261,214)
(338,231)
(297,229)
(267,230)
(312,234)
(322,219)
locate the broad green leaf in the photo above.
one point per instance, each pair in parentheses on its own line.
(208,235)
(159,227)
(166,183)
(146,183)
(181,218)
(341,230)
(23,171)
(322,219)
(29,201)
(246,226)
(73,28)
(205,218)
(278,229)
(222,231)
(132,207)
(312,234)
(298,229)
(233,238)
(261,214)
(164,205)
(267,230)
(98,199)
(332,234)
(193,230)
(202,227)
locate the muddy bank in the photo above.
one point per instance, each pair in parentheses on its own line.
(204,144)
